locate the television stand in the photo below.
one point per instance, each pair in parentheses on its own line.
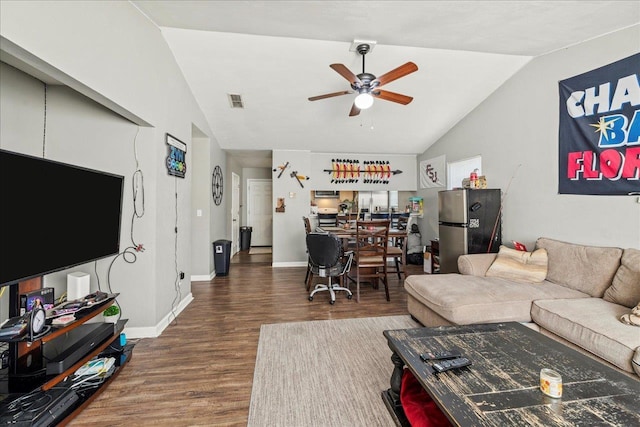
(29,373)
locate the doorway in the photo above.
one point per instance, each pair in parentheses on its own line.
(259,211)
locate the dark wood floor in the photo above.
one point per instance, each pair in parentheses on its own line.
(200,370)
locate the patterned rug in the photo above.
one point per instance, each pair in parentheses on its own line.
(323,373)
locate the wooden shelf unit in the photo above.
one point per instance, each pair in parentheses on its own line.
(32,374)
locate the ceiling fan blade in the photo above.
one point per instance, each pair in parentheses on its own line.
(392,96)
(354,110)
(396,73)
(346,73)
(329,95)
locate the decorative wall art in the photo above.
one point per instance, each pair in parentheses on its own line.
(175,161)
(432,172)
(346,171)
(299,177)
(599,138)
(293,174)
(281,168)
(217,185)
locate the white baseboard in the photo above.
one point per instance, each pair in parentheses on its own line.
(289,264)
(203,278)
(155,331)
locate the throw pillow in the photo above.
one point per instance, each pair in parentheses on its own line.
(625,286)
(520,266)
(632,318)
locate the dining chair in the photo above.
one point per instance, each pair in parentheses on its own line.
(308,278)
(397,251)
(372,241)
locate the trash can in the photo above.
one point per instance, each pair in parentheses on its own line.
(222,256)
(245,238)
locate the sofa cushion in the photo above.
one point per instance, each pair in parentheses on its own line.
(520,266)
(591,323)
(589,269)
(625,288)
(464,300)
(475,264)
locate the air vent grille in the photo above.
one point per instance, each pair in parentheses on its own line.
(235,100)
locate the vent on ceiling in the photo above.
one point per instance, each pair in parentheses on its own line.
(235,100)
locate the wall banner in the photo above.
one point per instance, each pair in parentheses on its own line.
(599,132)
(432,172)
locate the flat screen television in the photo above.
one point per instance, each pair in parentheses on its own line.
(54,216)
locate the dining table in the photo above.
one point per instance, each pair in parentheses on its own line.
(349,233)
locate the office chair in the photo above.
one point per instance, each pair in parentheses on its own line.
(328,259)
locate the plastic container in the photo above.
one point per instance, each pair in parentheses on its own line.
(245,238)
(222,256)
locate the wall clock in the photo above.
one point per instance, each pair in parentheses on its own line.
(37,322)
(217,185)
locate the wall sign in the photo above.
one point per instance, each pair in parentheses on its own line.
(599,138)
(432,172)
(176,160)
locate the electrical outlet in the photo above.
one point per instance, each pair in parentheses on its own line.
(181,275)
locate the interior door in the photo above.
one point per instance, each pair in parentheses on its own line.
(259,211)
(235,212)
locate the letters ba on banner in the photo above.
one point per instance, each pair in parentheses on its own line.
(432,172)
(176,160)
(599,138)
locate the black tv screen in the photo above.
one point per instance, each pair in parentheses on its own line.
(54,216)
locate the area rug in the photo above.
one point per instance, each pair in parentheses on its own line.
(259,250)
(323,373)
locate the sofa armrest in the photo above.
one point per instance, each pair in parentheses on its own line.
(475,264)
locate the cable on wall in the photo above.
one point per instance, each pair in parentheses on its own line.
(129,253)
(177,279)
(44,129)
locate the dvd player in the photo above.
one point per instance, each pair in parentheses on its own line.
(63,352)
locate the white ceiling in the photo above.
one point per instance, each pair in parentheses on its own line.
(276,54)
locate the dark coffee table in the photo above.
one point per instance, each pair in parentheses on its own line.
(501,387)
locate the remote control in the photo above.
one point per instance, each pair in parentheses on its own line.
(446,365)
(441,355)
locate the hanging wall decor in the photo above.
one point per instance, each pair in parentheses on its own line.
(281,168)
(300,178)
(345,171)
(599,131)
(175,161)
(217,185)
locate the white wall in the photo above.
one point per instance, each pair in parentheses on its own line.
(516,132)
(112,53)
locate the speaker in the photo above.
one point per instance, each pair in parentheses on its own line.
(77,285)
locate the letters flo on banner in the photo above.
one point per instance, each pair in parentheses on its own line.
(599,135)
(432,172)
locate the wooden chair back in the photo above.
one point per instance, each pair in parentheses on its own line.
(372,239)
(307,224)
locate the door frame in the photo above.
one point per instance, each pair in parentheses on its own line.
(235,201)
(249,182)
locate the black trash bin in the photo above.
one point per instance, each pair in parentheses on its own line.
(222,256)
(245,238)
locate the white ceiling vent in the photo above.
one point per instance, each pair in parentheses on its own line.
(235,100)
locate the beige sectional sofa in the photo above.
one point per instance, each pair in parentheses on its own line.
(585,291)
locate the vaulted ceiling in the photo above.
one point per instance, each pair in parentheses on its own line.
(276,54)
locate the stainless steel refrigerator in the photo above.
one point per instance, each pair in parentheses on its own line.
(469,222)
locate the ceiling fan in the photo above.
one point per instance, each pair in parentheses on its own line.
(368,86)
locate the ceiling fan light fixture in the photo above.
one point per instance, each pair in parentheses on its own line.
(364,101)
